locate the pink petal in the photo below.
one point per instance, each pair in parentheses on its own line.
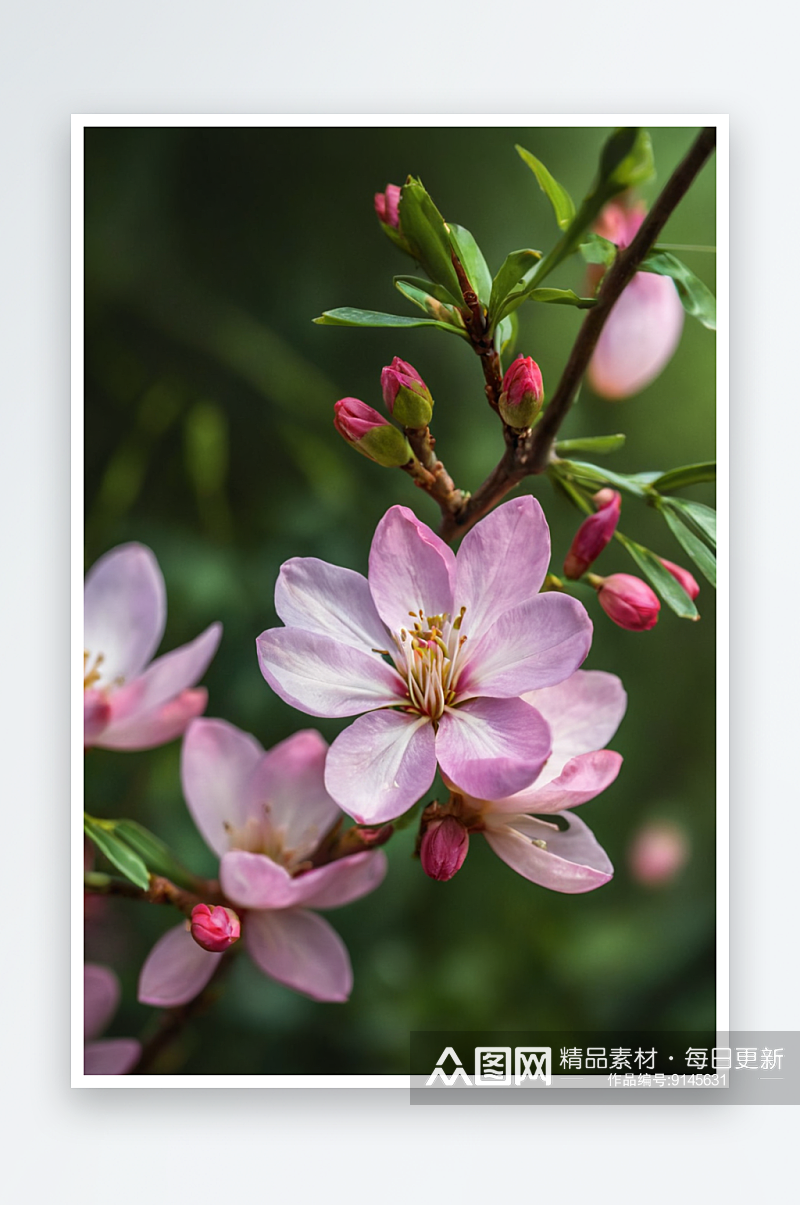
(125,609)
(329,600)
(573,861)
(583,712)
(342,881)
(96,714)
(302,951)
(162,681)
(381,765)
(639,337)
(487,745)
(115,1056)
(176,970)
(410,569)
(320,676)
(101,994)
(501,562)
(217,760)
(255,881)
(536,644)
(582,778)
(157,727)
(288,787)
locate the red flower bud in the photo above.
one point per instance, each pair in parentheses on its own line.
(593,534)
(215,929)
(444,848)
(407,397)
(684,577)
(369,433)
(629,602)
(386,205)
(523,392)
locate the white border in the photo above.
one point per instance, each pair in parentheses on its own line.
(79,122)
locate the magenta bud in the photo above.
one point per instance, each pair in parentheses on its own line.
(593,534)
(683,576)
(629,602)
(215,929)
(387,205)
(523,393)
(407,397)
(444,848)
(369,433)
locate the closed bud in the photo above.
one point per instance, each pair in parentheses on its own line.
(407,397)
(629,602)
(369,433)
(215,929)
(683,576)
(387,205)
(523,393)
(443,849)
(593,534)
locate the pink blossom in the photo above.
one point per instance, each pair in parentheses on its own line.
(583,713)
(215,929)
(114,1056)
(683,576)
(387,205)
(437,649)
(129,700)
(643,328)
(593,534)
(629,602)
(659,850)
(264,814)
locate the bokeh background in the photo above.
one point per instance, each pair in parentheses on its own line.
(209,398)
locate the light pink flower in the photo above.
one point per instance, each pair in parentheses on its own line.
(129,700)
(643,328)
(264,814)
(583,713)
(436,648)
(114,1056)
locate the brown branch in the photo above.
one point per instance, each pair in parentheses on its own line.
(428,472)
(160,891)
(530,454)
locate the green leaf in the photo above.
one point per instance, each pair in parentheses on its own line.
(515,267)
(559,198)
(420,296)
(156,855)
(598,250)
(626,160)
(689,474)
(424,229)
(696,298)
(700,553)
(116,851)
(600,444)
(660,578)
(345,316)
(505,337)
(594,477)
(472,261)
(425,286)
(701,519)
(548,296)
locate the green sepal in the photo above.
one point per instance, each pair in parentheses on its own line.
(101,832)
(385,445)
(688,474)
(662,581)
(472,261)
(557,195)
(600,444)
(696,298)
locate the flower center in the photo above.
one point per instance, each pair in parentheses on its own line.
(258,835)
(91,669)
(428,658)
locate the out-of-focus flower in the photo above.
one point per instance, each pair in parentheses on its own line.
(593,534)
(443,848)
(629,602)
(683,576)
(215,929)
(387,205)
(369,433)
(436,648)
(264,814)
(523,392)
(129,700)
(114,1056)
(583,713)
(643,329)
(658,851)
(407,397)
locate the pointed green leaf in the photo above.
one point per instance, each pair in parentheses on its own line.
(689,474)
(600,444)
(424,229)
(350,317)
(514,269)
(559,198)
(696,298)
(660,579)
(117,852)
(701,519)
(598,250)
(154,853)
(472,261)
(425,286)
(548,296)
(431,306)
(626,160)
(593,477)
(700,553)
(505,336)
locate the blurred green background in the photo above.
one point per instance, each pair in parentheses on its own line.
(209,398)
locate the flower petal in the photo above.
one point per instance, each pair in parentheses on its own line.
(254,881)
(125,609)
(288,787)
(342,881)
(96,714)
(157,727)
(573,861)
(329,600)
(101,994)
(639,337)
(320,676)
(581,779)
(501,563)
(583,712)
(487,744)
(410,569)
(536,644)
(217,759)
(381,765)
(115,1056)
(176,970)
(163,680)
(302,951)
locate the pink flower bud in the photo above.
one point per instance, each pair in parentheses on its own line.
(629,602)
(444,848)
(369,433)
(684,577)
(406,395)
(523,392)
(215,929)
(593,534)
(386,205)
(658,851)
